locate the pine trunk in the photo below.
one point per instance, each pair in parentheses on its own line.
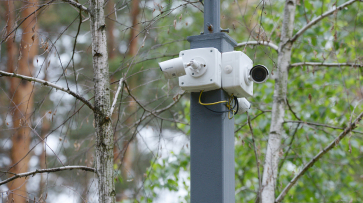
(22,93)
(128,148)
(278,108)
(135,10)
(110,27)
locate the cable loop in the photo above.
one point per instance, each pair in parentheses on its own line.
(230,104)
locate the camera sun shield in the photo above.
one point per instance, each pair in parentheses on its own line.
(173,68)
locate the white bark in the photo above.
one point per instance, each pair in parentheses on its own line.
(120,84)
(265,43)
(325,64)
(278,109)
(104,132)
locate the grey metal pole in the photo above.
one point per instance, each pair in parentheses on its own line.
(212,134)
(212,21)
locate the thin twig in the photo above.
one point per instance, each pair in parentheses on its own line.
(292,111)
(257,160)
(178,97)
(243,125)
(318,19)
(142,106)
(334,143)
(18,25)
(48,170)
(321,125)
(288,150)
(77,5)
(46,83)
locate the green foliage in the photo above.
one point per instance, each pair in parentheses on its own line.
(168,173)
(323,95)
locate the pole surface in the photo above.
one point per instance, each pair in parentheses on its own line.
(212,16)
(212,134)
(212,151)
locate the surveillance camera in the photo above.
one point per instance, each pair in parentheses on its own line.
(173,68)
(259,74)
(243,105)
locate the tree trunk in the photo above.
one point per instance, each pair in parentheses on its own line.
(128,154)
(278,108)
(135,10)
(110,27)
(22,92)
(10,43)
(103,127)
(42,157)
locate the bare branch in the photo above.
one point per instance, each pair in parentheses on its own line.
(46,83)
(18,25)
(147,110)
(145,116)
(48,170)
(325,64)
(320,124)
(120,85)
(288,149)
(292,111)
(314,124)
(77,5)
(178,97)
(257,160)
(270,44)
(334,143)
(243,125)
(318,19)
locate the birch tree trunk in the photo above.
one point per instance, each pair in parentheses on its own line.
(278,108)
(103,127)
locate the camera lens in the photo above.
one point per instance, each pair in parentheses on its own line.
(259,74)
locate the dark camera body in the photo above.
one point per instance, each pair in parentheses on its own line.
(259,74)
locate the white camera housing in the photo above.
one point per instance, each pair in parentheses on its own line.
(203,69)
(173,68)
(243,105)
(236,68)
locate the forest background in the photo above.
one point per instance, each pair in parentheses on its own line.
(46,128)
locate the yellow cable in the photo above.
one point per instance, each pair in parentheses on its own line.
(229,102)
(206,104)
